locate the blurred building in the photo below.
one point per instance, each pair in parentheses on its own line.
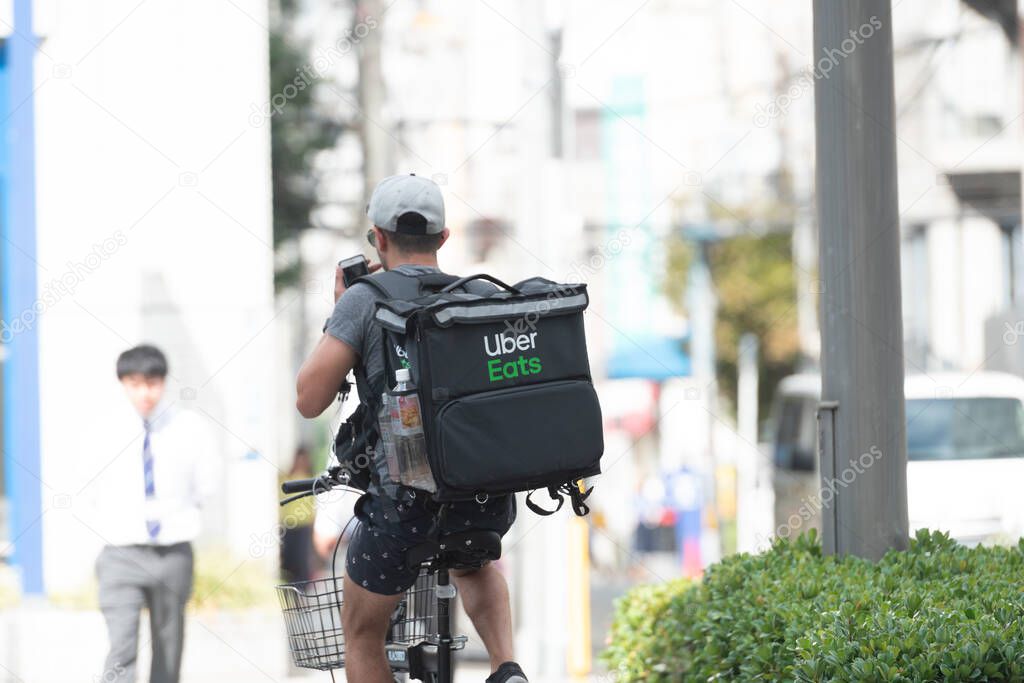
(135,195)
(572,139)
(960,97)
(574,152)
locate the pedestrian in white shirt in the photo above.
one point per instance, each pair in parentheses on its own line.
(148,501)
(333,514)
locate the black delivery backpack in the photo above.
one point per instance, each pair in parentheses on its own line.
(503,381)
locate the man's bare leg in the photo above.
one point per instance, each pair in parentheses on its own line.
(365,617)
(485,598)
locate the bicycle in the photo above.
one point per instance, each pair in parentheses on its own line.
(420,643)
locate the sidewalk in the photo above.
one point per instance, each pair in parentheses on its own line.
(220,646)
(471,672)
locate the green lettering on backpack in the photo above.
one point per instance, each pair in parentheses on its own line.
(499,370)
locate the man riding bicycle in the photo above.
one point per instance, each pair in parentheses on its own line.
(407,212)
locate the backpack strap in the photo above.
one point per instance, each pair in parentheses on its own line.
(555,495)
(572,489)
(435,282)
(394,284)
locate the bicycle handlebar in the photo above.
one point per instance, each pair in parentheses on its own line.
(300,485)
(300,488)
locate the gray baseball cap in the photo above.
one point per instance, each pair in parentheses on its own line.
(409,204)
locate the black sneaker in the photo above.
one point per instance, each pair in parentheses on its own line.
(509,672)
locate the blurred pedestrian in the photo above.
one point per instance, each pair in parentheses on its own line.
(148,504)
(332,528)
(296,520)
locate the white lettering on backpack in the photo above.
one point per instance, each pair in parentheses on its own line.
(504,344)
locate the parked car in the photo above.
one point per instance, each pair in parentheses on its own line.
(965,453)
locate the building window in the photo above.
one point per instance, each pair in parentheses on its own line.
(916,301)
(588,134)
(1013,264)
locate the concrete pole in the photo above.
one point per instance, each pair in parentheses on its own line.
(377,162)
(544,585)
(748,459)
(863,444)
(746,390)
(702,304)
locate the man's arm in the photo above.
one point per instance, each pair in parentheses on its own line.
(320,377)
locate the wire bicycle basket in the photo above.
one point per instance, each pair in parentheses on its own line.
(312,619)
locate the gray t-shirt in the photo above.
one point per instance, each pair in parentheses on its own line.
(352,323)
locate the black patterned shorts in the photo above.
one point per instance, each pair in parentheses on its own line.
(386,531)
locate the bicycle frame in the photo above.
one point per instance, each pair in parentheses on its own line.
(418,642)
(428,659)
(445,593)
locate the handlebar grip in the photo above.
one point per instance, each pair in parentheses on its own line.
(299,485)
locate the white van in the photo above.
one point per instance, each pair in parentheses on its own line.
(965,452)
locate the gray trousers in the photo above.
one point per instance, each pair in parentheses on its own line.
(156,577)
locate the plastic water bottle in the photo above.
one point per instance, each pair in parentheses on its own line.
(410,442)
(387,418)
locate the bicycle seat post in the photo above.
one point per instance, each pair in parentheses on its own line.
(445,593)
(464,550)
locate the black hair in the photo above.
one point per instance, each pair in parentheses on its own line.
(415,244)
(145,360)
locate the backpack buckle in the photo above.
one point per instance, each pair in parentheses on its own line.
(577,497)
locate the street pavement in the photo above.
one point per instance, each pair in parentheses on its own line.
(470,672)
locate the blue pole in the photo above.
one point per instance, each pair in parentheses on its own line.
(20,330)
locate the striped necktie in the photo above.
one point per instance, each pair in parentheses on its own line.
(152,525)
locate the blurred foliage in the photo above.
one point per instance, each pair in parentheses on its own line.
(937,612)
(678,259)
(84,597)
(299,130)
(222,581)
(10,592)
(756,289)
(225,582)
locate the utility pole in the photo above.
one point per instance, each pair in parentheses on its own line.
(375,143)
(748,458)
(861,420)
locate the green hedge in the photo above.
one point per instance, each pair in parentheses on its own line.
(937,612)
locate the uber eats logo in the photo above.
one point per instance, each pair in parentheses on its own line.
(504,344)
(403,356)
